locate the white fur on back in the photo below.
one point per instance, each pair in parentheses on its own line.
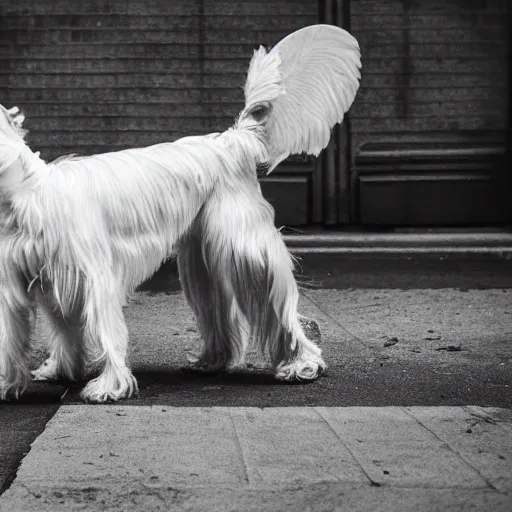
(133,204)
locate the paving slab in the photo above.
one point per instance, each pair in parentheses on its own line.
(470,432)
(292,446)
(394,449)
(117,457)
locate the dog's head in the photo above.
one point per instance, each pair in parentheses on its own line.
(11,144)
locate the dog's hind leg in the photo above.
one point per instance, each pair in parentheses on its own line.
(271,308)
(240,232)
(16,319)
(293,355)
(221,323)
(66,347)
(106,339)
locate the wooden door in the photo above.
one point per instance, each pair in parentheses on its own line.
(430,123)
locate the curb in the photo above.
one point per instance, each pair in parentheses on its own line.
(499,243)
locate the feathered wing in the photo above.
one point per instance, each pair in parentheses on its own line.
(301,89)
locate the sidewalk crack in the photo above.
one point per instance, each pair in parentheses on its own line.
(237,437)
(342,327)
(366,474)
(450,447)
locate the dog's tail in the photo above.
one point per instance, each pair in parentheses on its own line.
(301,89)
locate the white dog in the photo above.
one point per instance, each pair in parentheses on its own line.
(80,234)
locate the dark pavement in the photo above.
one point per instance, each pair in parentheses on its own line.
(381,270)
(376,383)
(22,422)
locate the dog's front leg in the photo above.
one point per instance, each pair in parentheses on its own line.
(16,318)
(106,336)
(66,347)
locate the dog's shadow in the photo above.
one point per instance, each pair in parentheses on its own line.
(180,386)
(186,386)
(40,393)
(194,377)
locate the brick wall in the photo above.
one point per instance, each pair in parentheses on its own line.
(430,67)
(429,124)
(102,75)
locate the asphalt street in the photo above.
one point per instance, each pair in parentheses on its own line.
(381,270)
(383,347)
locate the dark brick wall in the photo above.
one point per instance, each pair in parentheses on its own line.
(431,115)
(102,75)
(430,66)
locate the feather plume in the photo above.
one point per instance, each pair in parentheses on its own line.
(301,89)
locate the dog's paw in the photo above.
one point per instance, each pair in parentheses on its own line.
(47,371)
(203,363)
(300,370)
(110,388)
(10,392)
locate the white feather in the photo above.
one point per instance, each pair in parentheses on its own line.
(310,79)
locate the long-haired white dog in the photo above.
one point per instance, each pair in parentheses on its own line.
(78,235)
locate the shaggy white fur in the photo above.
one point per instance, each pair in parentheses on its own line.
(78,235)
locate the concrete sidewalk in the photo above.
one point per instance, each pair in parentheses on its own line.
(320,459)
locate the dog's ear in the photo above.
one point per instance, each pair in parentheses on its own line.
(17,118)
(14,120)
(11,145)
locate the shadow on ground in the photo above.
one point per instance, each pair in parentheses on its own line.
(380,383)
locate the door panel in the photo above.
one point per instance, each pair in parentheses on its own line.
(289,191)
(429,125)
(410,185)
